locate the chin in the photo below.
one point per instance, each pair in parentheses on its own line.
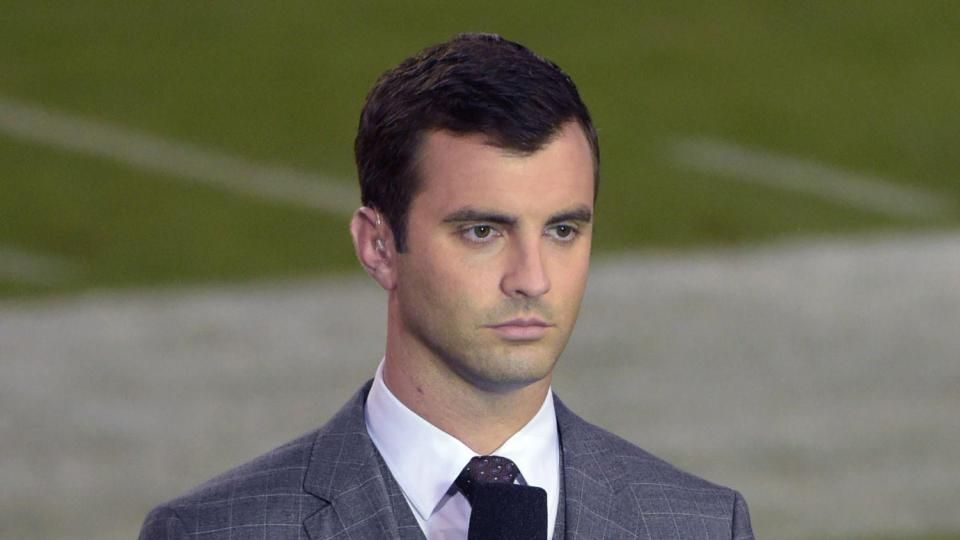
(509,371)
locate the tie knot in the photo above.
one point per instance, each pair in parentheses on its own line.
(486,470)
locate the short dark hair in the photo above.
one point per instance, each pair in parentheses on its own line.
(474,83)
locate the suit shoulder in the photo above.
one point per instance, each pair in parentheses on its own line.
(640,466)
(162,523)
(649,486)
(280,469)
(245,493)
(624,463)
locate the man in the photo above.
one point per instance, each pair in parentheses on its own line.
(478,166)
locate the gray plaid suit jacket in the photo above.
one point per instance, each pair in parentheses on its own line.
(333,484)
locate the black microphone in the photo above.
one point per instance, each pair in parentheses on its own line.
(508,512)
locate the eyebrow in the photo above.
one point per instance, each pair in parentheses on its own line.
(580,213)
(477,214)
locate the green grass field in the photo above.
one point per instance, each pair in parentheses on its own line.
(868,87)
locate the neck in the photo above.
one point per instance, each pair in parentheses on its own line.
(482,419)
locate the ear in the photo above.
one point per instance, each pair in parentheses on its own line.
(374,246)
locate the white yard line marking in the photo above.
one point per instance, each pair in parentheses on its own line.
(184,160)
(33,268)
(810,177)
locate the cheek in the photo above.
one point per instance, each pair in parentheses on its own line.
(441,286)
(579,273)
(571,266)
(464,275)
(569,281)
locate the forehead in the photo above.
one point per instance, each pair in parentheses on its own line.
(458,171)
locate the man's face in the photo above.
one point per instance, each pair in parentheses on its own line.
(498,249)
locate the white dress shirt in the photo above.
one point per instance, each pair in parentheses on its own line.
(425,460)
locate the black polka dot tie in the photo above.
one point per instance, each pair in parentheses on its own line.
(499,508)
(486,470)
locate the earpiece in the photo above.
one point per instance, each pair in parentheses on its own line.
(380,247)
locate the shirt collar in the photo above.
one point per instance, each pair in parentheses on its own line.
(425,460)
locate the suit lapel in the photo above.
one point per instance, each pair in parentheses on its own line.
(588,465)
(559,531)
(346,471)
(407,526)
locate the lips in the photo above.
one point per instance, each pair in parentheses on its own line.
(524,322)
(522,329)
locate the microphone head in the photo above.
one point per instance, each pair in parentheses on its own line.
(508,512)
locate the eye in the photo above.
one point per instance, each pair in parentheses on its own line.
(479,234)
(563,232)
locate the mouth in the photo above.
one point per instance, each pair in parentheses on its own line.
(522,329)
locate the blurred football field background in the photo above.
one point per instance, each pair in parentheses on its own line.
(722,126)
(868,88)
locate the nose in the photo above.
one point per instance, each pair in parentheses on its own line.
(526,275)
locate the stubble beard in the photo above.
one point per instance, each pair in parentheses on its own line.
(483,360)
